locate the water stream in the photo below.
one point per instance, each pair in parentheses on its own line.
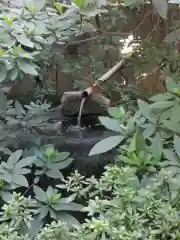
(80,113)
(78,128)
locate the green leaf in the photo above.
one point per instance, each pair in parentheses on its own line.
(50,40)
(50,192)
(43,211)
(170,84)
(6,177)
(2,101)
(170,155)
(92,11)
(6,196)
(165,115)
(75,207)
(55,173)
(69,199)
(157,148)
(61,156)
(161,106)
(79,3)
(40,194)
(14,158)
(140,142)
(88,27)
(14,73)
(161,97)
(171,125)
(150,129)
(24,40)
(25,162)
(21,171)
(116,112)
(20,180)
(67,218)
(112,124)
(36,225)
(3,72)
(27,67)
(146,111)
(19,108)
(106,145)
(177,145)
(161,6)
(175,114)
(172,36)
(127,160)
(60,165)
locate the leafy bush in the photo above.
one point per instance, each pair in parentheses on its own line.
(129,209)
(137,197)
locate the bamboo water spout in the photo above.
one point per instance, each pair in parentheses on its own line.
(95,103)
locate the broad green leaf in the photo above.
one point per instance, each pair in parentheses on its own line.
(106,145)
(24,40)
(150,129)
(43,211)
(112,124)
(170,155)
(132,146)
(36,225)
(67,218)
(60,165)
(172,36)
(165,115)
(157,148)
(50,192)
(52,213)
(3,72)
(146,111)
(25,162)
(170,84)
(40,194)
(140,142)
(20,180)
(165,134)
(40,4)
(161,97)
(175,114)
(27,67)
(69,199)
(14,158)
(88,27)
(116,112)
(127,160)
(50,40)
(22,171)
(92,11)
(59,6)
(171,125)
(6,177)
(14,73)
(161,106)
(19,108)
(79,3)
(2,101)
(55,173)
(161,6)
(61,156)
(6,196)
(177,145)
(75,207)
